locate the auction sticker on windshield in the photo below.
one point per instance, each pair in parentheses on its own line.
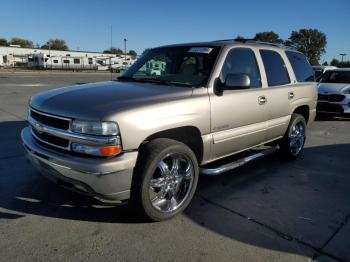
(201,50)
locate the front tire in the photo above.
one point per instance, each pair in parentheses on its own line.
(165,179)
(293,142)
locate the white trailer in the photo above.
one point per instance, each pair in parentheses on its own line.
(57,59)
(45,61)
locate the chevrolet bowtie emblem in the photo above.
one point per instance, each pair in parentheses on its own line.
(39,128)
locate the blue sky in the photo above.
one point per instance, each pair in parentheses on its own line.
(86,24)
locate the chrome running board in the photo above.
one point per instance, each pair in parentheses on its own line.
(240,162)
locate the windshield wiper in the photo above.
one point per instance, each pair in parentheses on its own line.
(152,80)
(161,81)
(125,78)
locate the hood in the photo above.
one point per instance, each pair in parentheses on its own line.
(331,88)
(99,100)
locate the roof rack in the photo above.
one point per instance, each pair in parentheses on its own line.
(252,40)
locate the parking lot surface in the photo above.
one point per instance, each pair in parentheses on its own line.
(269,210)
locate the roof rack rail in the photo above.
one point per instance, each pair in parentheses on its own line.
(252,40)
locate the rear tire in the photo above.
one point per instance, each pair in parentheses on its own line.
(293,142)
(165,179)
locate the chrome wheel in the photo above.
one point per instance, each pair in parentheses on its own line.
(297,138)
(171,183)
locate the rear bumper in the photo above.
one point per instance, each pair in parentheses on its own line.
(108,179)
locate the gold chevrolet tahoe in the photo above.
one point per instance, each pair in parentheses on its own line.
(178,109)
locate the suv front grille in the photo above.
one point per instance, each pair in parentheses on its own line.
(331,97)
(53,132)
(46,139)
(50,139)
(49,120)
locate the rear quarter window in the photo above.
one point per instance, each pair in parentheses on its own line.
(275,68)
(301,67)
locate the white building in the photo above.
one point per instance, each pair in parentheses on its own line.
(14,56)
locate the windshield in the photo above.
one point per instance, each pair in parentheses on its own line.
(341,77)
(180,65)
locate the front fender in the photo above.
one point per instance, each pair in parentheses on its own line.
(139,123)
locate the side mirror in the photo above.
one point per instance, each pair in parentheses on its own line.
(236,81)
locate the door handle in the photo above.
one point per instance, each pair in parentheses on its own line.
(290,95)
(262,100)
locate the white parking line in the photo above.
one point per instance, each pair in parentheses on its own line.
(14,84)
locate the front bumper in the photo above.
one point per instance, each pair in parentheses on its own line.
(108,179)
(333,107)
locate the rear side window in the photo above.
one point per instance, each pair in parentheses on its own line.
(276,71)
(242,61)
(302,69)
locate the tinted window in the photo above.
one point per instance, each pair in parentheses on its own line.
(340,77)
(302,69)
(317,73)
(275,68)
(76,61)
(242,61)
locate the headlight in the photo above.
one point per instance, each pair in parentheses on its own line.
(97,128)
(346,90)
(94,128)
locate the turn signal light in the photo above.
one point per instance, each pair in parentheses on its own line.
(110,150)
(97,150)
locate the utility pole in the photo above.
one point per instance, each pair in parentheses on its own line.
(110,58)
(342,57)
(125,52)
(50,55)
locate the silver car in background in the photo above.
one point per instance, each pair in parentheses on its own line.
(334,92)
(320,70)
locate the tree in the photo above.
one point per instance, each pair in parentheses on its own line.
(239,37)
(334,62)
(325,63)
(345,64)
(55,44)
(21,42)
(270,37)
(337,63)
(3,42)
(311,42)
(146,50)
(114,50)
(132,53)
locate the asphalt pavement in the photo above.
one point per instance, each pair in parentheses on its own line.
(268,210)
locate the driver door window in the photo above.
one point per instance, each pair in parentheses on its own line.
(242,61)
